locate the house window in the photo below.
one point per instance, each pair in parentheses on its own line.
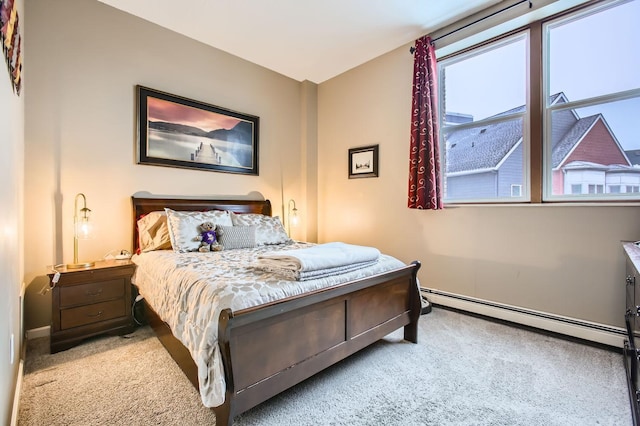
(576,188)
(596,189)
(483,104)
(589,129)
(633,188)
(552,108)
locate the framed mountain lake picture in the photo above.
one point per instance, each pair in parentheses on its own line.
(363,162)
(178,132)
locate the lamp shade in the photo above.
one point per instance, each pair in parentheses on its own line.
(81,229)
(292,216)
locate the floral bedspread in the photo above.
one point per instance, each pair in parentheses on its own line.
(189,290)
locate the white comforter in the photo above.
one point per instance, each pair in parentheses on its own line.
(189,290)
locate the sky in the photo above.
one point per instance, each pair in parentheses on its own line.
(161,110)
(596,55)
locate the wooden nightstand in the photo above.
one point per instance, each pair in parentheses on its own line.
(90,301)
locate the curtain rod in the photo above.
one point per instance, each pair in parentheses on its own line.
(413,49)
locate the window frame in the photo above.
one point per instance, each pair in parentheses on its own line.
(537,110)
(547,24)
(479,49)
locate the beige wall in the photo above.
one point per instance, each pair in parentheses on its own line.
(11,199)
(84,61)
(80,137)
(558,259)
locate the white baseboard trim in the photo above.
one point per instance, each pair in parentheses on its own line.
(16,395)
(595,332)
(34,333)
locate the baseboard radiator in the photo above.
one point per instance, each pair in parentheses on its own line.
(581,329)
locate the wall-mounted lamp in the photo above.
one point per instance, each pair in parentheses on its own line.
(292,216)
(81,230)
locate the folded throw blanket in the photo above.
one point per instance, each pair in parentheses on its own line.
(318,261)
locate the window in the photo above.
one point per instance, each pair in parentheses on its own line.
(592,87)
(580,140)
(483,98)
(596,189)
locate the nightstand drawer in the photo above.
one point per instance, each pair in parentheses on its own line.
(89,314)
(92,292)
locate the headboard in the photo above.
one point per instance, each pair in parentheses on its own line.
(142,206)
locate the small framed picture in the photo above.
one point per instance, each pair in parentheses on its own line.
(363,162)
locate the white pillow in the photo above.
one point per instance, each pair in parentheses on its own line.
(269,229)
(184,226)
(153,233)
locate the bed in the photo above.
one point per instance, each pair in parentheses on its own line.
(267,348)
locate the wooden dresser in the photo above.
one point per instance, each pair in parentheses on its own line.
(90,301)
(632,321)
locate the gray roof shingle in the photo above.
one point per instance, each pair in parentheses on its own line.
(481,147)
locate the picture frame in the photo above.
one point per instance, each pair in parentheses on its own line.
(11,40)
(174,131)
(363,162)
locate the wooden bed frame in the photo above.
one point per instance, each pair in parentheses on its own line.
(270,348)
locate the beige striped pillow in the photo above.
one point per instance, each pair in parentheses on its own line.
(236,237)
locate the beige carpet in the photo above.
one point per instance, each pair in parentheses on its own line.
(108,381)
(464,371)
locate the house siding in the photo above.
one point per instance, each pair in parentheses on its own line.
(598,146)
(510,172)
(558,182)
(476,186)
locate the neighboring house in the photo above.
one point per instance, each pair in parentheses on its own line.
(483,161)
(486,161)
(634,156)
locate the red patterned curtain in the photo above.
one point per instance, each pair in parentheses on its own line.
(425,190)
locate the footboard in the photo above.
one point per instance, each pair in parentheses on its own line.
(266,350)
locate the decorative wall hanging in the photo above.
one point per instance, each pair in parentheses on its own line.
(11,42)
(180,132)
(363,162)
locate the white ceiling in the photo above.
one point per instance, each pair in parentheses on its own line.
(311,40)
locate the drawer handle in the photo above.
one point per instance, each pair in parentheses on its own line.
(95,315)
(633,312)
(95,293)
